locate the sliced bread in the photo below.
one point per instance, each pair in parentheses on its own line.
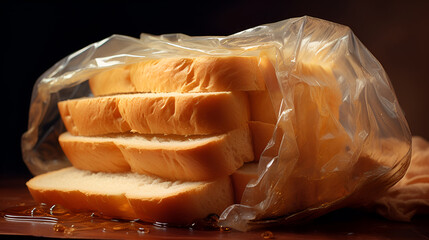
(261,107)
(183,74)
(242,177)
(132,195)
(261,135)
(156,113)
(172,157)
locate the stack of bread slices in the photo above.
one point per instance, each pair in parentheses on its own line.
(161,138)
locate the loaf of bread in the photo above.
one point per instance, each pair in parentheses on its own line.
(173,157)
(132,196)
(156,113)
(161,138)
(182,74)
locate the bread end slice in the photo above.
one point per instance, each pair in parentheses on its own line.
(181,74)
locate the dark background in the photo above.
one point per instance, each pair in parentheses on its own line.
(37,34)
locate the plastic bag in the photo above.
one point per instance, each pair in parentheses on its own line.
(410,196)
(340,138)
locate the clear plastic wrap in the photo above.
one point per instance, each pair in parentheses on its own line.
(340,139)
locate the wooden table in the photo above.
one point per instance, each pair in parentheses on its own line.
(342,224)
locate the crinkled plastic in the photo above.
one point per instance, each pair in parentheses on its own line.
(340,139)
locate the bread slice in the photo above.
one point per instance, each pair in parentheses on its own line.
(262,133)
(182,74)
(131,195)
(261,107)
(156,113)
(191,158)
(242,177)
